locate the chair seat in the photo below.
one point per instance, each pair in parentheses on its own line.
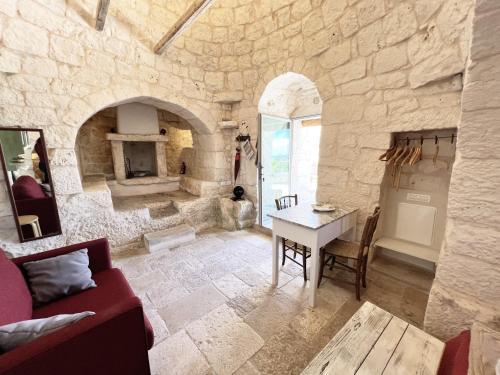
(300,248)
(343,248)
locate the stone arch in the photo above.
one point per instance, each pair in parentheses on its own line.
(80,110)
(288,80)
(273,74)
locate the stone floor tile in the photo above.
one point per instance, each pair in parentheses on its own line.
(177,355)
(251,277)
(231,286)
(284,353)
(166,293)
(310,322)
(225,339)
(146,281)
(133,267)
(413,306)
(412,275)
(191,307)
(337,321)
(247,369)
(177,290)
(274,315)
(297,289)
(159,327)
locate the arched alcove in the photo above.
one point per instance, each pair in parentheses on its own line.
(290,108)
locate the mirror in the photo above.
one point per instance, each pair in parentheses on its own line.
(27,176)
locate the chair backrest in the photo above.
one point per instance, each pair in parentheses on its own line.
(286,201)
(368,231)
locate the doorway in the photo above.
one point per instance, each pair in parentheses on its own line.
(289,137)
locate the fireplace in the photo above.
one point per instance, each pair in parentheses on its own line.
(140,159)
(138,156)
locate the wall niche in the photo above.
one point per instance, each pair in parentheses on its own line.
(414,197)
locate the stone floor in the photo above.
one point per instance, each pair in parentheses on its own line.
(214,311)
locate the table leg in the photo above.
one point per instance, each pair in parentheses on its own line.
(314,276)
(276,250)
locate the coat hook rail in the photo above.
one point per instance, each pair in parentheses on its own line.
(436,139)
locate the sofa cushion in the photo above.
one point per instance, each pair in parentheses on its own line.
(15,297)
(112,288)
(26,187)
(59,276)
(455,359)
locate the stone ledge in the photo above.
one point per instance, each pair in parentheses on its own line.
(136,137)
(148,180)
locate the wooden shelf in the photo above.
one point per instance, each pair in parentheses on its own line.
(409,248)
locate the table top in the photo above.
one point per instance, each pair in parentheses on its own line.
(305,216)
(374,342)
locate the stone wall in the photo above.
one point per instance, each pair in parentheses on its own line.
(467,284)
(92,148)
(56,71)
(379,65)
(179,147)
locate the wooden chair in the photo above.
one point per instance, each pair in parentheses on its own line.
(287,245)
(351,250)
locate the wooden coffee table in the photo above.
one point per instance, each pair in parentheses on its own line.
(374,342)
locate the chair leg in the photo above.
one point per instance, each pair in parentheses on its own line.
(295,250)
(304,263)
(365,263)
(284,251)
(333,263)
(358,281)
(322,256)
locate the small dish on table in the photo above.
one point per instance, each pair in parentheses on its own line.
(323,207)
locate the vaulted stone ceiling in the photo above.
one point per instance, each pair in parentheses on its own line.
(148,20)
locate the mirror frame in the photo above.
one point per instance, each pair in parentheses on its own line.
(11,195)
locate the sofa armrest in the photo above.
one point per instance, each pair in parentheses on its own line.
(99,254)
(110,342)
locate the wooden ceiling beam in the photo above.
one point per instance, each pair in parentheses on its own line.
(195,10)
(102,12)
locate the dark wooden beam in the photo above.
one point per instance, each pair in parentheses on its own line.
(192,13)
(102,12)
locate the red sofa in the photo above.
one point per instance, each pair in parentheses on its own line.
(115,340)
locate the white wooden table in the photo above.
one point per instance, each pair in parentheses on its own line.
(375,342)
(313,229)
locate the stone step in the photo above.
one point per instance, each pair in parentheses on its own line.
(169,238)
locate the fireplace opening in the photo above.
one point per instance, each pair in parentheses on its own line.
(140,159)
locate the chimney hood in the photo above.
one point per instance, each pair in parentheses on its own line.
(137,118)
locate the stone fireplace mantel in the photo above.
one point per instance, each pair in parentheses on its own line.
(117,141)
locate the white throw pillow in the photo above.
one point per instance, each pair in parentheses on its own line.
(19,333)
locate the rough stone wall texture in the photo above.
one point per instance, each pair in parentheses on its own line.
(56,71)
(179,147)
(379,66)
(93,149)
(467,284)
